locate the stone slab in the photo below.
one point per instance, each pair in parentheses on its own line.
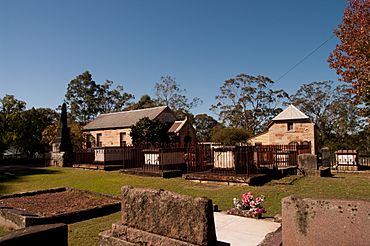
(169,214)
(241,231)
(131,236)
(325,222)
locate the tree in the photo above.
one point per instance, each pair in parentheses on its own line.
(149,131)
(248,102)
(3,145)
(330,108)
(351,57)
(168,93)
(86,99)
(229,135)
(203,124)
(22,129)
(362,140)
(77,137)
(11,121)
(112,100)
(144,102)
(29,133)
(9,104)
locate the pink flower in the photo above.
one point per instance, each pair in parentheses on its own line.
(245,198)
(260,211)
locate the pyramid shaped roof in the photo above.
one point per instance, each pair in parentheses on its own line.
(291,113)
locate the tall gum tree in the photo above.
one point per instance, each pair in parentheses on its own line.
(168,93)
(86,98)
(248,102)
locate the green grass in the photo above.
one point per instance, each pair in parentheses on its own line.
(3,231)
(342,186)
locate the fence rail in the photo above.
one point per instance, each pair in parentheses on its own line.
(233,160)
(364,160)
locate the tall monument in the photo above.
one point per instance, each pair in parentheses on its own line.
(63,140)
(62,150)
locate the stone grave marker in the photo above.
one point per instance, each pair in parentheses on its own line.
(158,217)
(325,157)
(325,222)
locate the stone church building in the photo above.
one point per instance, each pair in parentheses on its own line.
(291,126)
(113,129)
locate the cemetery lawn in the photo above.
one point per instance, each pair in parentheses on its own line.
(341,186)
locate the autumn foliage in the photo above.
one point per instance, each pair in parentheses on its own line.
(351,57)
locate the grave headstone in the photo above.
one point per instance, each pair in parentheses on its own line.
(325,222)
(307,162)
(158,217)
(325,157)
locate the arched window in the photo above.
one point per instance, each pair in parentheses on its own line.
(295,143)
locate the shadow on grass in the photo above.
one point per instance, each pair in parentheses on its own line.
(335,177)
(14,173)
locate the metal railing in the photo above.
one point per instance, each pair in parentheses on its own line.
(228,160)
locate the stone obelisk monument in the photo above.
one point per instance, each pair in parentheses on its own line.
(62,152)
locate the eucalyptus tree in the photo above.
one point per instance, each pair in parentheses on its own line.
(248,102)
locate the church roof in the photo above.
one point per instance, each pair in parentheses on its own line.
(124,119)
(177,125)
(291,113)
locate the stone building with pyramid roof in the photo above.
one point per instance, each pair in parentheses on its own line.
(289,127)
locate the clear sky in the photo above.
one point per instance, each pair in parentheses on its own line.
(44,44)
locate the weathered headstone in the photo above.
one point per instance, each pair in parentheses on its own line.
(325,222)
(307,165)
(158,217)
(325,157)
(61,154)
(307,161)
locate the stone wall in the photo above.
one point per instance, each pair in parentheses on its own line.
(111,138)
(302,131)
(187,131)
(278,134)
(262,138)
(167,116)
(157,217)
(325,222)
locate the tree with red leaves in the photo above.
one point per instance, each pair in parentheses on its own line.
(351,57)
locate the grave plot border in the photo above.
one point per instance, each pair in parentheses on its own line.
(16,218)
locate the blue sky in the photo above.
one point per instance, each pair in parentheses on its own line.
(44,44)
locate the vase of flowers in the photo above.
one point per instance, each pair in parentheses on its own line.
(248,206)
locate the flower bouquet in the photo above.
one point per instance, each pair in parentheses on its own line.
(248,206)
